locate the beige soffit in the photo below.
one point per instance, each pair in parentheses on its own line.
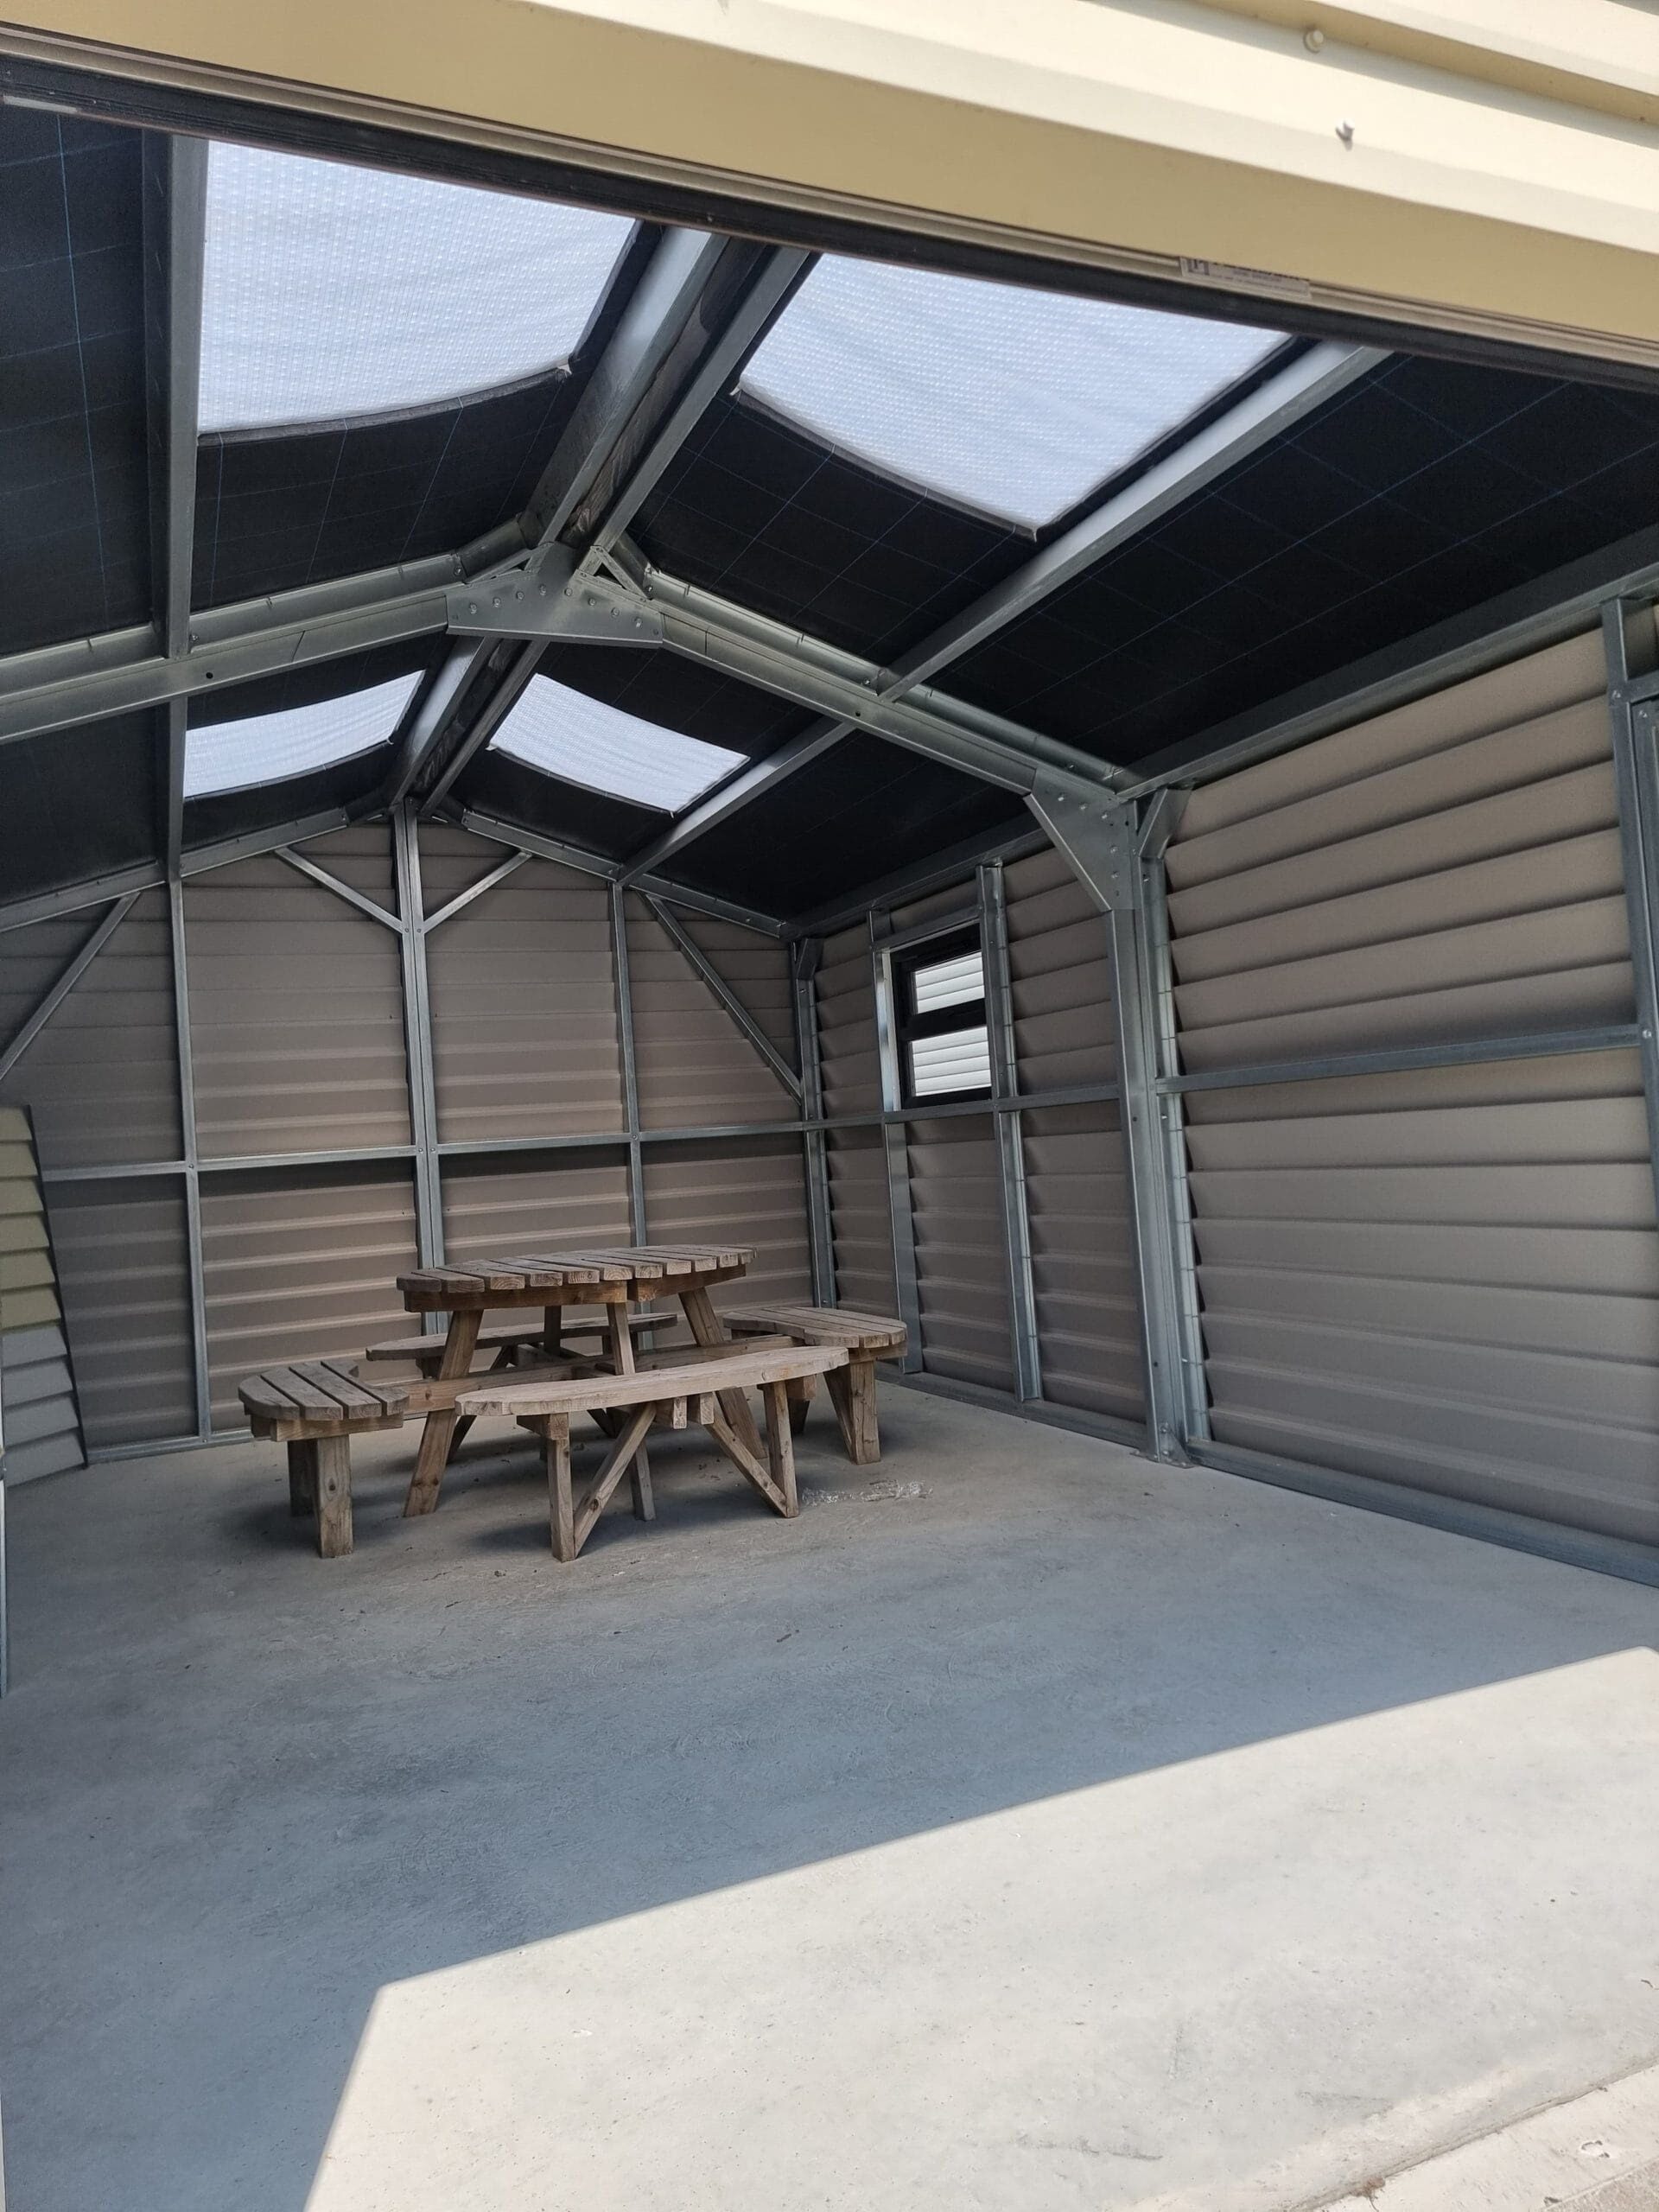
(1490,165)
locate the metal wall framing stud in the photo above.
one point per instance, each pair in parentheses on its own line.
(1010,1132)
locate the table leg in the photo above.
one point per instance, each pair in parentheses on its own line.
(620,1345)
(303,1477)
(560,1506)
(852,1393)
(780,1445)
(800,1401)
(439,1432)
(705,1325)
(333,1472)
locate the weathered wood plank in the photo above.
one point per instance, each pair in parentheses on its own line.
(581,1393)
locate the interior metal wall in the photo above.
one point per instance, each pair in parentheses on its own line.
(1445,1277)
(267,1217)
(43,1425)
(962,1266)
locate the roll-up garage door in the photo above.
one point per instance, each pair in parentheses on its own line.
(1444,1277)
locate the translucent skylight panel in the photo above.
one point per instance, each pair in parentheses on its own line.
(949,983)
(564,732)
(234,756)
(960,1060)
(1011,402)
(332,292)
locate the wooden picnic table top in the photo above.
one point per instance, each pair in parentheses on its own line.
(576,1276)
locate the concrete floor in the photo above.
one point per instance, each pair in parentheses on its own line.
(1073,1834)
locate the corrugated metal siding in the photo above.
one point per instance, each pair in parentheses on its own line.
(1448,871)
(861,1219)
(960,1254)
(524,997)
(1082,1264)
(756,969)
(41,1430)
(504,1207)
(847,1040)
(1449,1279)
(295,1006)
(748,1191)
(694,1067)
(125,1278)
(301,1268)
(102,1078)
(1060,976)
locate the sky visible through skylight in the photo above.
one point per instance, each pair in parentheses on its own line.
(265,749)
(332,292)
(587,741)
(1012,402)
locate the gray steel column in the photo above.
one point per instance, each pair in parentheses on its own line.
(187,1139)
(630,1079)
(804,955)
(417,1037)
(1628,634)
(895,1139)
(1107,844)
(1010,1132)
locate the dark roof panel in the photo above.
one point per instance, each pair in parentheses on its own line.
(857,812)
(680,694)
(494,783)
(76,803)
(762,514)
(1422,492)
(74,549)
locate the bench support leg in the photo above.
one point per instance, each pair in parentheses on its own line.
(302,1477)
(705,1327)
(852,1393)
(800,1399)
(334,1466)
(439,1432)
(620,1343)
(561,1505)
(780,1445)
(751,1468)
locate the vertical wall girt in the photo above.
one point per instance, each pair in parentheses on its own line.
(630,1076)
(1629,636)
(804,959)
(1107,843)
(1009,1130)
(417,1037)
(895,1137)
(187,1140)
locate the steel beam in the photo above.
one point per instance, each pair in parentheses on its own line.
(896,1146)
(428,716)
(417,1034)
(115,672)
(586,863)
(463,899)
(731,797)
(1102,841)
(630,1077)
(195,1253)
(1399,1059)
(1629,641)
(1009,1129)
(352,897)
(804,961)
(698,961)
(64,983)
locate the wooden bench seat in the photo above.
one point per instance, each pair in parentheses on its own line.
(866,1338)
(316,1407)
(513,1336)
(687,1388)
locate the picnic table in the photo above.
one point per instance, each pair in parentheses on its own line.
(611,1277)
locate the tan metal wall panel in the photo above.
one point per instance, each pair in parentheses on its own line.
(755,968)
(1082,1264)
(1443,874)
(746,1191)
(500,1206)
(103,1076)
(847,1040)
(860,1219)
(1449,1279)
(301,1267)
(694,1066)
(524,997)
(125,1278)
(295,1006)
(960,1254)
(39,1427)
(1060,976)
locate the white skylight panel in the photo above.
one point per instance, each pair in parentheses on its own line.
(949,983)
(960,1060)
(233,756)
(332,292)
(1011,402)
(564,732)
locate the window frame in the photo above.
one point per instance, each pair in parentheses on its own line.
(954,936)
